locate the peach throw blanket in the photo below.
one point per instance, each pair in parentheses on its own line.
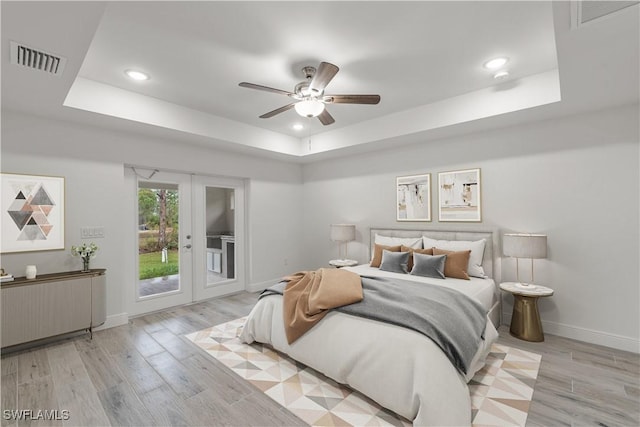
(310,295)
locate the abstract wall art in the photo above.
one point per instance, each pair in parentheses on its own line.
(459,196)
(32,209)
(413,198)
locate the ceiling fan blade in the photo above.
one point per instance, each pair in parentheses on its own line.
(326,118)
(323,76)
(265,88)
(277,111)
(352,99)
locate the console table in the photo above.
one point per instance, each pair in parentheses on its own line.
(52,304)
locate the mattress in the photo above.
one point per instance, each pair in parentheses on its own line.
(399,368)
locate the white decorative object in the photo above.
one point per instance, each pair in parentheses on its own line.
(31,271)
(343,233)
(524,246)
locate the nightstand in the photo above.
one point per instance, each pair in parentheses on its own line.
(339,263)
(525,320)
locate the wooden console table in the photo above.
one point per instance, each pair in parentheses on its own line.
(52,304)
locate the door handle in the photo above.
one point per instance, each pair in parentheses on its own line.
(187,246)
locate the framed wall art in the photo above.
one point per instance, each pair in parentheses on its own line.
(413,197)
(459,196)
(32,213)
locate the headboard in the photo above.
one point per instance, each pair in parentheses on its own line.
(488,261)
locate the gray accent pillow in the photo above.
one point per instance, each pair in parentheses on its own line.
(396,262)
(428,265)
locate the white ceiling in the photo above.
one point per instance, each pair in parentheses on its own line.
(423,58)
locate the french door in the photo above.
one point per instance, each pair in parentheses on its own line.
(187,239)
(219,216)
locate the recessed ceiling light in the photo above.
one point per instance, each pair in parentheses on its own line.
(137,75)
(501,75)
(297,126)
(495,63)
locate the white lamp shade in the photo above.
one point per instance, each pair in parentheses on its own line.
(343,232)
(309,108)
(524,245)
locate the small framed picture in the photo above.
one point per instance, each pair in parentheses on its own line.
(413,198)
(459,196)
(32,213)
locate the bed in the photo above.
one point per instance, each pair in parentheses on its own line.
(399,368)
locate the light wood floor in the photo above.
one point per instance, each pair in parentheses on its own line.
(147,373)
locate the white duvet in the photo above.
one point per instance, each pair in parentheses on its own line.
(400,369)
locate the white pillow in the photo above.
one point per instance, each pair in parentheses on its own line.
(412,242)
(475,258)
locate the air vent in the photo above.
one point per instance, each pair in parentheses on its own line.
(585,12)
(36,59)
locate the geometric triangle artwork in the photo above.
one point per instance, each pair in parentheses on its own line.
(42,197)
(20,218)
(501,391)
(30,210)
(31,232)
(46,229)
(18,205)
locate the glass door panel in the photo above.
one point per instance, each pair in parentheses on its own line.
(219,225)
(220,234)
(158,238)
(163,268)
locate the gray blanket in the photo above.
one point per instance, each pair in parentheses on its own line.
(449,318)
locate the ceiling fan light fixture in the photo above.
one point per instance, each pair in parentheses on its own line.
(309,108)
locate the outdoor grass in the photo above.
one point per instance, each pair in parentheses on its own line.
(151,264)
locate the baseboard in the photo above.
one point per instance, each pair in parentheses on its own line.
(113,321)
(256,287)
(587,335)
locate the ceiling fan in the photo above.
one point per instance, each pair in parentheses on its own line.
(309,96)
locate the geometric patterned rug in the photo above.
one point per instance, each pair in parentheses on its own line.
(500,392)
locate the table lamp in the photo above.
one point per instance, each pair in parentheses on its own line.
(343,233)
(524,246)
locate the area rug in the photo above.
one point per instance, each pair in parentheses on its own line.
(500,393)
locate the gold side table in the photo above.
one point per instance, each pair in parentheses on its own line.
(525,320)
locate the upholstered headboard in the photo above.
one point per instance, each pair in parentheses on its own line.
(488,261)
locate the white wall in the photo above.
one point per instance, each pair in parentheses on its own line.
(92,161)
(575,179)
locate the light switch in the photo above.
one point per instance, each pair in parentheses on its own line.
(93,232)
